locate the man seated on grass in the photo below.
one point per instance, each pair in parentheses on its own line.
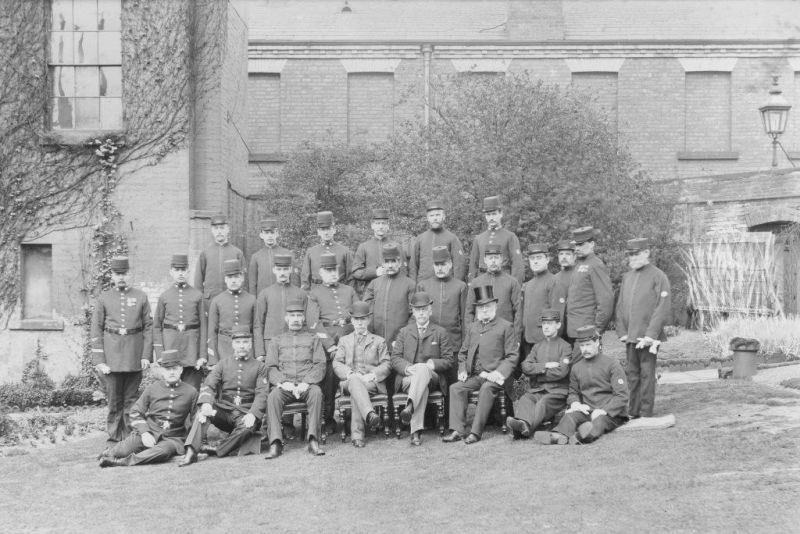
(232,398)
(158,418)
(598,395)
(547,368)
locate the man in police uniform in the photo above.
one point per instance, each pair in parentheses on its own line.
(368,261)
(233,398)
(180,323)
(420,265)
(598,395)
(260,275)
(566,259)
(421,357)
(311,263)
(328,314)
(537,294)
(486,361)
(209,277)
(362,365)
(158,418)
(643,309)
(271,304)
(505,288)
(389,296)
(295,364)
(512,262)
(122,345)
(590,298)
(547,369)
(232,308)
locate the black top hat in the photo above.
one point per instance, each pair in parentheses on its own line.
(484,295)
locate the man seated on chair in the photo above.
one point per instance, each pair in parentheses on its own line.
(421,357)
(362,364)
(232,398)
(486,360)
(158,418)
(296,365)
(547,368)
(598,395)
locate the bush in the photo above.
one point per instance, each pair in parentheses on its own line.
(777,335)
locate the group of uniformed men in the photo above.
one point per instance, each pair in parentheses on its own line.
(413,322)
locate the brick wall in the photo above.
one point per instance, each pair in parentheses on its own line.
(264,114)
(370,113)
(602,86)
(707,111)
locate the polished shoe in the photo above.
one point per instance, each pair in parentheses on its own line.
(189,458)
(584,433)
(358,444)
(314,448)
(373,421)
(452,437)
(520,428)
(108,461)
(208,449)
(288,431)
(545,437)
(472,438)
(275,450)
(405,415)
(416,441)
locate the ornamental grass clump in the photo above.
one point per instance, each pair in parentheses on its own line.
(777,335)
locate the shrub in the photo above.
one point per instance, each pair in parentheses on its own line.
(777,335)
(21,396)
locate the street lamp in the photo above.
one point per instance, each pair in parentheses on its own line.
(775,115)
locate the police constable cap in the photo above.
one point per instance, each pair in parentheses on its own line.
(537,248)
(282,260)
(179,261)
(269,223)
(324,219)
(219,219)
(484,295)
(240,331)
(328,261)
(169,358)
(441,254)
(232,267)
(493,248)
(390,251)
(380,214)
(491,204)
(434,205)
(566,244)
(587,333)
(360,310)
(637,245)
(295,305)
(583,234)
(420,299)
(119,264)
(551,315)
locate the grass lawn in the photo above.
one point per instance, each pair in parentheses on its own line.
(730,464)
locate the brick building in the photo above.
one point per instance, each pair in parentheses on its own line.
(680,80)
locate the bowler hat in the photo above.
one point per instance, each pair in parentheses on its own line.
(484,295)
(219,219)
(328,261)
(537,248)
(119,264)
(551,315)
(269,223)
(434,205)
(240,331)
(179,260)
(295,305)
(380,214)
(282,260)
(491,204)
(441,254)
(586,333)
(420,299)
(583,234)
(232,267)
(360,310)
(637,245)
(169,358)
(390,251)
(324,219)
(566,244)
(493,248)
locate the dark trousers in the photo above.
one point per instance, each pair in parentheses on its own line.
(193,377)
(122,390)
(641,371)
(278,398)
(227,421)
(601,425)
(459,400)
(330,385)
(536,408)
(134,452)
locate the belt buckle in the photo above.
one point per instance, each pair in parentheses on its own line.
(181,327)
(123,331)
(165,425)
(237,400)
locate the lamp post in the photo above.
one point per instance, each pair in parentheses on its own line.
(775,115)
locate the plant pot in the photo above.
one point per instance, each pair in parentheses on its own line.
(745,363)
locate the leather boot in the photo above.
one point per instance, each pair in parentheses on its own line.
(314,448)
(275,450)
(189,458)
(108,461)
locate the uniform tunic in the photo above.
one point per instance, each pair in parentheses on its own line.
(309,274)
(513,263)
(538,294)
(270,314)
(260,275)
(590,298)
(122,310)
(180,324)
(600,383)
(560,291)
(389,298)
(295,356)
(329,305)
(420,265)
(209,277)
(449,307)
(508,294)
(547,387)
(227,310)
(368,257)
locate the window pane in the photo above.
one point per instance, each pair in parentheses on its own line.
(111,113)
(108,15)
(87,113)
(85,13)
(62,113)
(37,278)
(110,81)
(86,48)
(110,47)
(62,15)
(63,79)
(87,81)
(61,47)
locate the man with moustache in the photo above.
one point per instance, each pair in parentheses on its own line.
(368,260)
(420,265)
(389,296)
(566,260)
(231,308)
(209,277)
(512,262)
(326,229)
(505,288)
(537,294)
(260,275)
(590,298)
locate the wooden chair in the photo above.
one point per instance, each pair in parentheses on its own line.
(499,403)
(435,399)
(380,403)
(301,408)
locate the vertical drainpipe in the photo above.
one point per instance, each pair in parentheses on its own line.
(427,49)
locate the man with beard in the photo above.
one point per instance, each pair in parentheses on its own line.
(209,277)
(505,288)
(590,298)
(231,308)
(420,265)
(512,262)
